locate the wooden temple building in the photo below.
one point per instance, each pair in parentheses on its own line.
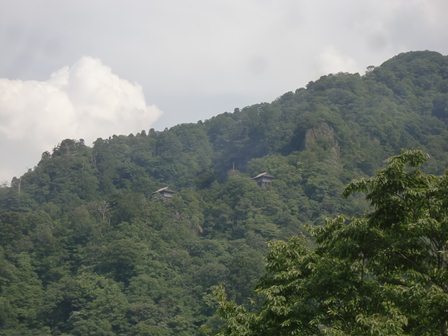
(263,179)
(164,192)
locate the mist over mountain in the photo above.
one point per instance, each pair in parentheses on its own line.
(88,247)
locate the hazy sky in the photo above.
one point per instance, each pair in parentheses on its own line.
(88,69)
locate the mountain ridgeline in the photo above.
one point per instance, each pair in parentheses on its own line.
(87,248)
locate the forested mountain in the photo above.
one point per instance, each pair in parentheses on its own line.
(87,248)
(381,273)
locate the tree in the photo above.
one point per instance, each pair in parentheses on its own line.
(88,304)
(384,273)
(21,297)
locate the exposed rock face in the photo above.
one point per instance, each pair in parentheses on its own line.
(323,136)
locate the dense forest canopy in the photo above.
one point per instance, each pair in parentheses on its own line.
(383,273)
(87,248)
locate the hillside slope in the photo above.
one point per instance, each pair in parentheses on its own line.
(87,248)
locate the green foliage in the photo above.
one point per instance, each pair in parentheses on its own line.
(86,305)
(98,253)
(383,273)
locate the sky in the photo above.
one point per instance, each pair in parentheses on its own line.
(88,69)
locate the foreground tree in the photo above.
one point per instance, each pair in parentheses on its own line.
(381,274)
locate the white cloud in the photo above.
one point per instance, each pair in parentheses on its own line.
(333,61)
(86,100)
(199,58)
(195,58)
